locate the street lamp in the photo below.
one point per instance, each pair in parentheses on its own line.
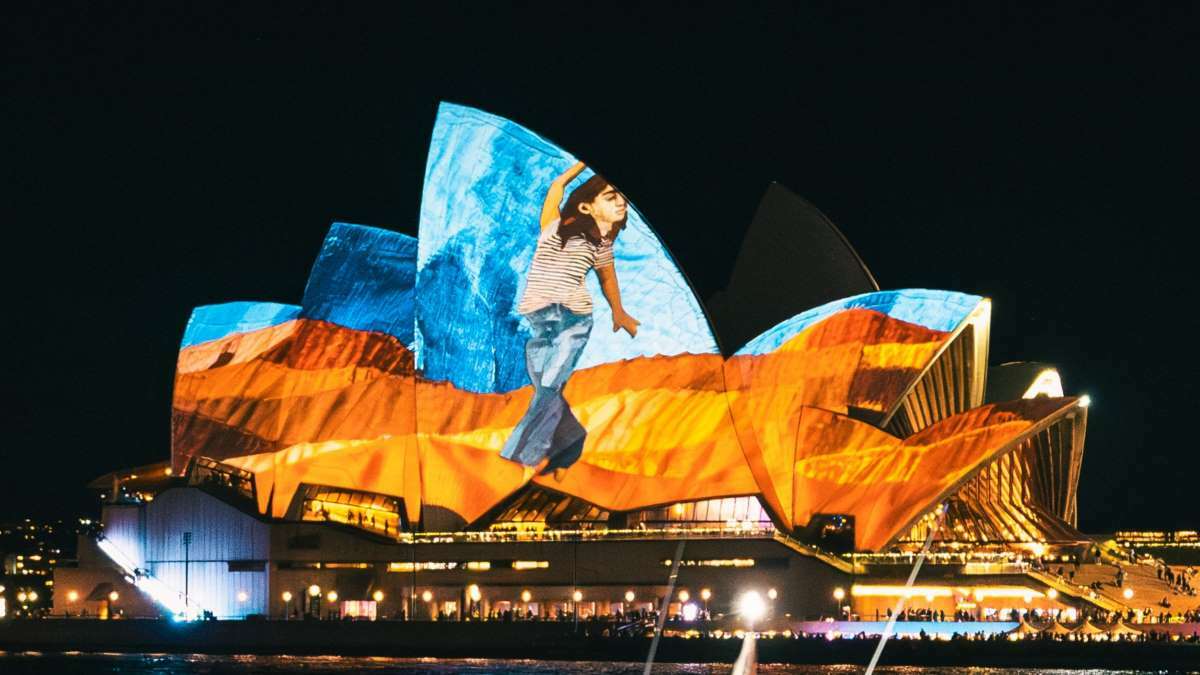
(705,594)
(1127,593)
(72,596)
(629,596)
(287,605)
(377,596)
(242,596)
(839,594)
(684,596)
(332,596)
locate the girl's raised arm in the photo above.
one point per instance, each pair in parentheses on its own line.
(555,194)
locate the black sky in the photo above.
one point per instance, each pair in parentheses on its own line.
(164,156)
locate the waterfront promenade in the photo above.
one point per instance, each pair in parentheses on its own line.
(590,641)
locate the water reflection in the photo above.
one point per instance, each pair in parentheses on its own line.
(78,663)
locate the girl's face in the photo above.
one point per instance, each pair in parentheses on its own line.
(607,208)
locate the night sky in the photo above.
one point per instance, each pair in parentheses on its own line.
(156,159)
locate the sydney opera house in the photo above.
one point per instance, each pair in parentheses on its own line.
(432,432)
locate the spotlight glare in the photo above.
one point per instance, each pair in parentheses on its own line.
(752,606)
(690,611)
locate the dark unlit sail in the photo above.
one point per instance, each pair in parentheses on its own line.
(792,259)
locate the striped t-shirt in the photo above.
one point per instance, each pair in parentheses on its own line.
(558,272)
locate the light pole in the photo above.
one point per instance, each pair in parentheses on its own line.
(705,594)
(576,597)
(187,545)
(287,605)
(314,600)
(838,595)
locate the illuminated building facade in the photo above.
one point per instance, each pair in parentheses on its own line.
(451,416)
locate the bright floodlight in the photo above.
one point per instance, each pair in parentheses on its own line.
(377,596)
(1052,594)
(684,596)
(332,596)
(752,606)
(839,593)
(314,590)
(112,597)
(705,594)
(427,596)
(577,596)
(1085,401)
(526,596)
(772,594)
(242,596)
(629,596)
(473,592)
(287,596)
(690,611)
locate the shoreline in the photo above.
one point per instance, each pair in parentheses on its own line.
(559,642)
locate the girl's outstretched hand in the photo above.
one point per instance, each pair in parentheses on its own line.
(623,320)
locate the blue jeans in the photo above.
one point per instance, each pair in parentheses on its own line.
(548,429)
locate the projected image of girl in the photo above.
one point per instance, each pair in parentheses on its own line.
(558,308)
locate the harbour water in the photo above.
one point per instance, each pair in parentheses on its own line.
(77,663)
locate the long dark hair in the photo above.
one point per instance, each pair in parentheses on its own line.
(577,224)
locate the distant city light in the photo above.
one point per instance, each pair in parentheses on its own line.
(33,596)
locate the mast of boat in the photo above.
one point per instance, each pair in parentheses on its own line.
(662,611)
(912,577)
